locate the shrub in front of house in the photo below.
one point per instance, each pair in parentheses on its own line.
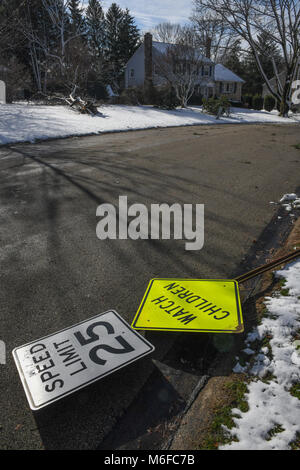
(210,105)
(247,100)
(96,90)
(166,98)
(213,105)
(148,94)
(237,104)
(269,103)
(258,102)
(129,96)
(196,100)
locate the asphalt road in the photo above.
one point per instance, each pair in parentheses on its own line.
(55,272)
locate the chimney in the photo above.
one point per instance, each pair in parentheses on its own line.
(208,47)
(148,59)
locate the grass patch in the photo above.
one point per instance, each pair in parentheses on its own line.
(266,341)
(239,389)
(276,430)
(285,292)
(295,391)
(224,416)
(295,445)
(269,377)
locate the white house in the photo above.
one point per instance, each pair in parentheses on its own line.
(2,92)
(214,79)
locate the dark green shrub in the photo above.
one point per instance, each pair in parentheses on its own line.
(129,96)
(213,105)
(148,94)
(269,103)
(96,90)
(247,99)
(258,102)
(196,100)
(166,98)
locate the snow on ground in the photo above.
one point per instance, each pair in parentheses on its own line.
(28,122)
(290,202)
(270,402)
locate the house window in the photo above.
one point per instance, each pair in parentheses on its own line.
(227,87)
(131,73)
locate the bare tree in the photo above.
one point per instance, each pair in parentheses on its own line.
(213,35)
(58,13)
(280,19)
(57,55)
(167,32)
(179,65)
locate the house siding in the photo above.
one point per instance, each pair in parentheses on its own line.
(207,85)
(232,95)
(135,64)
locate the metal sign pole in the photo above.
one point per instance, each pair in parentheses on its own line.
(268,266)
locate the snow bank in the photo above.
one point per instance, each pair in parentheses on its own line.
(271,406)
(29,122)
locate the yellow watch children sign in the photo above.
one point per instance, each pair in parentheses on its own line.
(190,305)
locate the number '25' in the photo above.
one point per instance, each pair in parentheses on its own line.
(92,337)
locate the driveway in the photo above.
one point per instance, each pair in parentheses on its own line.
(55,272)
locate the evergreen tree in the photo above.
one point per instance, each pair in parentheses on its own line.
(76,17)
(267,50)
(129,37)
(114,17)
(232,60)
(95,22)
(96,35)
(121,40)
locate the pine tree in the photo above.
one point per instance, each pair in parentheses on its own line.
(95,22)
(232,60)
(129,37)
(76,17)
(268,51)
(121,41)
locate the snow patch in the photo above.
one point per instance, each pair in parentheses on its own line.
(273,419)
(28,122)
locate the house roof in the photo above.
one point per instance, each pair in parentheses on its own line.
(162,47)
(222,74)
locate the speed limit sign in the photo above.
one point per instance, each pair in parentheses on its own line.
(59,364)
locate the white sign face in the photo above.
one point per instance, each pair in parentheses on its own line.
(2,92)
(59,364)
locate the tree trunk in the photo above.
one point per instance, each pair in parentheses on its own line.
(284,105)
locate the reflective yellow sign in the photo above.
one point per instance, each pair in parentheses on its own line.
(190,305)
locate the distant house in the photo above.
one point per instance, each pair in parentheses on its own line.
(274,84)
(214,79)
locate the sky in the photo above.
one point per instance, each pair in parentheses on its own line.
(149,13)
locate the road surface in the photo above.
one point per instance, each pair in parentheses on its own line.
(55,272)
